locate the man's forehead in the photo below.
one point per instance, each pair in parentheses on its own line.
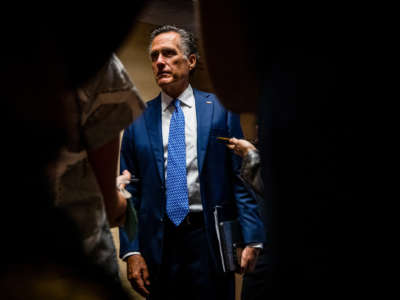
(166,40)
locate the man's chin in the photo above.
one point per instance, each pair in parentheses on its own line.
(163,82)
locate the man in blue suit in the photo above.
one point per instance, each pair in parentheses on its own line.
(184,172)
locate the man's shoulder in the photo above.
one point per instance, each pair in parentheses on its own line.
(197,92)
(153,101)
(207,95)
(149,106)
(210,97)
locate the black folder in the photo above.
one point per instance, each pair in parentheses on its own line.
(230,242)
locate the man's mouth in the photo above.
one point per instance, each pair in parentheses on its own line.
(162,74)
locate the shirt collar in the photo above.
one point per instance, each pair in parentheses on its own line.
(187,98)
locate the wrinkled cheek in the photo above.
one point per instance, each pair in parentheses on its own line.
(155,69)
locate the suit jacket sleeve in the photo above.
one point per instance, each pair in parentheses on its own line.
(249,217)
(127,162)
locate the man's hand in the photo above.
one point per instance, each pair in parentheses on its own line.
(138,274)
(249,259)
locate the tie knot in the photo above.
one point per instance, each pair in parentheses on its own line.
(176,103)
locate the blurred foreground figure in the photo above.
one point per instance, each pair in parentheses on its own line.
(48,53)
(84,175)
(283,64)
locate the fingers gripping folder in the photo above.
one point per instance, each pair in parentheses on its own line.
(230,242)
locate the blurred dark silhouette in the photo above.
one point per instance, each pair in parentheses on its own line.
(48,50)
(288,63)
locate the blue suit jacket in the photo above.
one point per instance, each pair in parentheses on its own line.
(142,154)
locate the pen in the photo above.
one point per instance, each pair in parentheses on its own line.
(224,140)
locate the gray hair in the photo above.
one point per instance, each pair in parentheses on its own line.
(188,41)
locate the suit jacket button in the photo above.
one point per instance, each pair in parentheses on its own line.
(161,220)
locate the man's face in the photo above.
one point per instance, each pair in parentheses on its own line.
(170,66)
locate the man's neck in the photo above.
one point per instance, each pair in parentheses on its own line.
(175,92)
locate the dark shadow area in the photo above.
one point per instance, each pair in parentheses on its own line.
(47,53)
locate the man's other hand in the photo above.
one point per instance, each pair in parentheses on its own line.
(249,259)
(138,274)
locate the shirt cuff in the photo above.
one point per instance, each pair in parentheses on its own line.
(255,245)
(130,254)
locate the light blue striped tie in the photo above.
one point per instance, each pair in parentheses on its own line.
(176,182)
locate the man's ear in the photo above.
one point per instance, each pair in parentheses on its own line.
(192,61)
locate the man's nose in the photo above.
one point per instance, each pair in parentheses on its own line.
(160,60)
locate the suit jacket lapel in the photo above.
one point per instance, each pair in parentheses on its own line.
(204,112)
(154,129)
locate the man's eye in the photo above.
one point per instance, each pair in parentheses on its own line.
(169,53)
(153,56)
